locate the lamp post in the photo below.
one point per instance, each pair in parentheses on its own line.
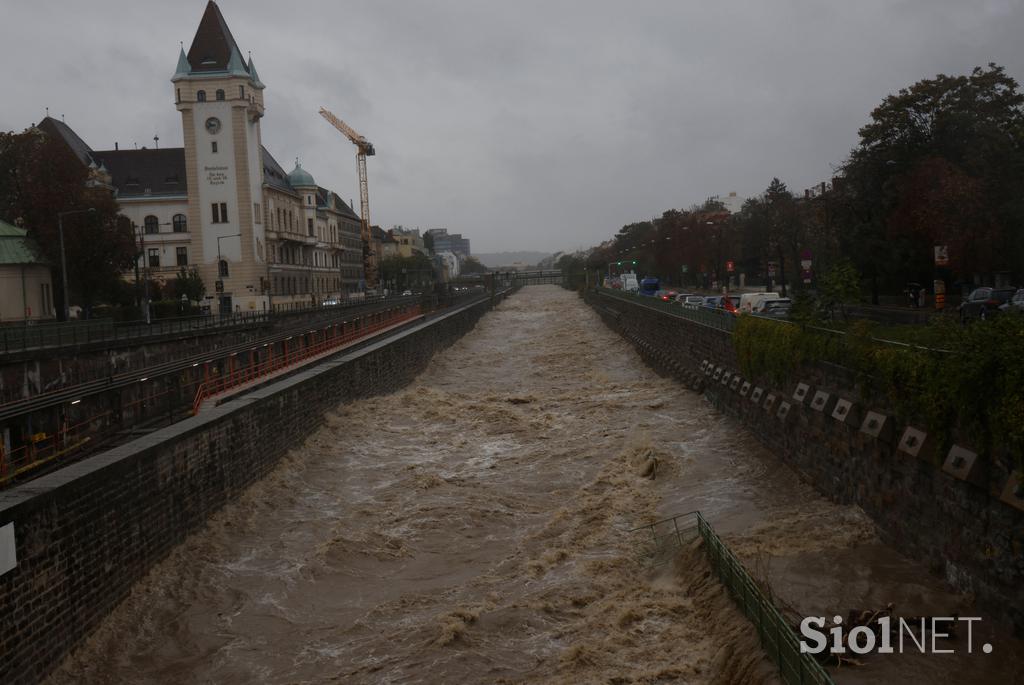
(63,258)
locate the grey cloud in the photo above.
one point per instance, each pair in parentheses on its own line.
(526,125)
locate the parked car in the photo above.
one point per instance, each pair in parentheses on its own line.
(750,301)
(1016,303)
(760,307)
(983,303)
(406,293)
(776,309)
(666,295)
(650,286)
(714,301)
(690,300)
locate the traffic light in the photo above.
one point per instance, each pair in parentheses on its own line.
(634,262)
(619,263)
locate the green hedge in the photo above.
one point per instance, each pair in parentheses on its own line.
(967,377)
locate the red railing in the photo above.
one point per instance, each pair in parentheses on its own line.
(44,448)
(333,339)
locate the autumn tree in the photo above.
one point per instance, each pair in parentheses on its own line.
(41,177)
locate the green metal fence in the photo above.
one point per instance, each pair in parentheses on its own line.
(777,637)
(705,316)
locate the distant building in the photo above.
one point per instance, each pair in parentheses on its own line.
(449,263)
(449,242)
(258,236)
(409,241)
(26,286)
(732,202)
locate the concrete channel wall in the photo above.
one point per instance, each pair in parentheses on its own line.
(960,513)
(84,535)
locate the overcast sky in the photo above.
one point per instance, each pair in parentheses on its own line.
(525,125)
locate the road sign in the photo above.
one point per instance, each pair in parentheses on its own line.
(730,266)
(942,255)
(771,269)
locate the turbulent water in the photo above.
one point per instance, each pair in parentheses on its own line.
(474,528)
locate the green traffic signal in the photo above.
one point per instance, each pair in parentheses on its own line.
(619,263)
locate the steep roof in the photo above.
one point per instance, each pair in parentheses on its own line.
(213,46)
(53,127)
(326,199)
(16,247)
(132,172)
(273,174)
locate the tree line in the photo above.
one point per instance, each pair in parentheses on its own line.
(940,163)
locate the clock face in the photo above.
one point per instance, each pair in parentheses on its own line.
(212,125)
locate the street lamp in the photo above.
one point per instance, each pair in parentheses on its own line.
(63,258)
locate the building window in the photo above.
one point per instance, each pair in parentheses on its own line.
(309,225)
(220,94)
(213,146)
(152,224)
(241,92)
(182,254)
(177,99)
(154,257)
(222,270)
(279,217)
(180,223)
(309,199)
(257,212)
(201,96)
(47,307)
(220,212)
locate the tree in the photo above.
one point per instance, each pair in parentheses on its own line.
(40,177)
(472,265)
(189,284)
(950,149)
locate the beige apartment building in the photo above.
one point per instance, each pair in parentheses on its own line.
(259,237)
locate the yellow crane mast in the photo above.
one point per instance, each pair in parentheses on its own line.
(364,148)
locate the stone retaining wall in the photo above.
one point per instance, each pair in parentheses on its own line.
(85,534)
(959,512)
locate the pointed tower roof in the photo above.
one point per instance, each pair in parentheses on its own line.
(256,83)
(183,69)
(214,46)
(236,65)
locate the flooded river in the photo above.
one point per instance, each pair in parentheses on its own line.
(473,528)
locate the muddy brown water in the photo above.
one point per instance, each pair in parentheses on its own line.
(473,528)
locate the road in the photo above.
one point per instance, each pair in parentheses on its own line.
(473,528)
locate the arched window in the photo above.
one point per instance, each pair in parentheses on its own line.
(180,223)
(223,270)
(220,94)
(201,96)
(152,224)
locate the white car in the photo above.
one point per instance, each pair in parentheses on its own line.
(689,300)
(406,293)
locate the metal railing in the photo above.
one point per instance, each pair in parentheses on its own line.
(719,319)
(360,330)
(23,338)
(777,637)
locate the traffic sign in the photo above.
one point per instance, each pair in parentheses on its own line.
(730,266)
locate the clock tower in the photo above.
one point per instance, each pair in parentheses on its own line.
(220,97)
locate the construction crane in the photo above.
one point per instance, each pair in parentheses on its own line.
(364,148)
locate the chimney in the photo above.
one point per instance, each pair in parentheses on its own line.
(115,145)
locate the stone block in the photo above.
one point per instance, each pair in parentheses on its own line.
(823,402)
(784,411)
(735,383)
(725,378)
(801,392)
(1013,492)
(845,412)
(717,374)
(877,425)
(913,442)
(964,464)
(745,389)
(755,396)
(769,402)
(704,365)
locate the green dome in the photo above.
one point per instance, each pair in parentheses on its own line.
(300,178)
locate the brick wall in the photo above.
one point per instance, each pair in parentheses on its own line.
(86,533)
(964,521)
